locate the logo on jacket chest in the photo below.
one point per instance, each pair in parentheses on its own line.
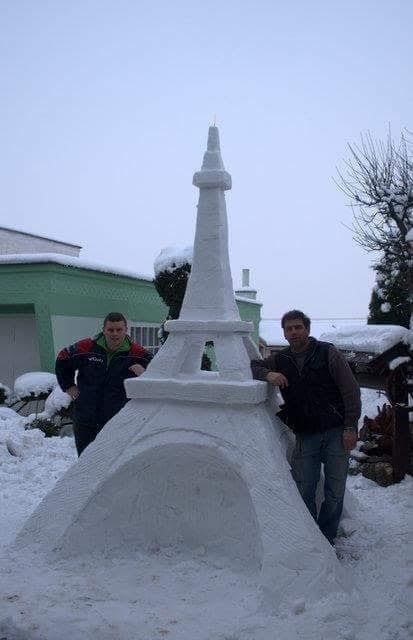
(95,359)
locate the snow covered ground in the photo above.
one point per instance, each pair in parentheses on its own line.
(157,596)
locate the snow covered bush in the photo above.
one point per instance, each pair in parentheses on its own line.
(56,413)
(58,402)
(35,384)
(39,390)
(389,302)
(172,268)
(46,425)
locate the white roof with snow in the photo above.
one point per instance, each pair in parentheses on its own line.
(69,261)
(36,235)
(373,338)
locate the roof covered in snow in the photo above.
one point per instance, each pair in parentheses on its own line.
(373,338)
(36,235)
(69,261)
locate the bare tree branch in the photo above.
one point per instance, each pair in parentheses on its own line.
(378,180)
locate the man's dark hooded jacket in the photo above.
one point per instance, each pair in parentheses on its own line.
(323,395)
(100,376)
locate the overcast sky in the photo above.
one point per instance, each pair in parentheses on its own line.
(105,108)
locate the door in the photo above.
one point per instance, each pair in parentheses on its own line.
(19,350)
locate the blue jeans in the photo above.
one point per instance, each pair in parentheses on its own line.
(310,451)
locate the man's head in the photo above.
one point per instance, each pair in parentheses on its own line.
(296,326)
(114,330)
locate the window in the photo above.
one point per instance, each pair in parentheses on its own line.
(147,336)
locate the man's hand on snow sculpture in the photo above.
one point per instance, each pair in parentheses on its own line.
(137,369)
(349,440)
(278,379)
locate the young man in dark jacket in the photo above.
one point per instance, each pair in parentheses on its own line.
(322,406)
(102,364)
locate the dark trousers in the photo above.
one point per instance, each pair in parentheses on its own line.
(84,435)
(312,450)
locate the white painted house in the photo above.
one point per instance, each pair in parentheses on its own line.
(16,241)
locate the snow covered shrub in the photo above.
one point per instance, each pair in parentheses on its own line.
(57,413)
(171,286)
(40,398)
(37,384)
(389,302)
(46,425)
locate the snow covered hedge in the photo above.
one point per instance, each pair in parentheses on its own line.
(29,390)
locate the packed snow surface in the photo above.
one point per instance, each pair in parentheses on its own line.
(157,596)
(373,338)
(34,383)
(10,417)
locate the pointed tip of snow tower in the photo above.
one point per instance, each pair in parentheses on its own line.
(213,139)
(212,172)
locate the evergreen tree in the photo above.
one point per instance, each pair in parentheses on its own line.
(390,300)
(171,286)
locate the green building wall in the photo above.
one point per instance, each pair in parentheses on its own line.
(65,300)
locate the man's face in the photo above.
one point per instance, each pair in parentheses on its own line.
(114,333)
(296,334)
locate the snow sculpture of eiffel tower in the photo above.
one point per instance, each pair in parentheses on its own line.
(194,462)
(209,311)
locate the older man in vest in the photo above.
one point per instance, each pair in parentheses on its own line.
(322,407)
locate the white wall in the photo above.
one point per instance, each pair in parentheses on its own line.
(69,329)
(18,242)
(19,351)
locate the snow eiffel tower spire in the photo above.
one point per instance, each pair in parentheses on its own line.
(209,293)
(209,311)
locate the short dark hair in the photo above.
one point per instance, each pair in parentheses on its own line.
(115,316)
(295,314)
